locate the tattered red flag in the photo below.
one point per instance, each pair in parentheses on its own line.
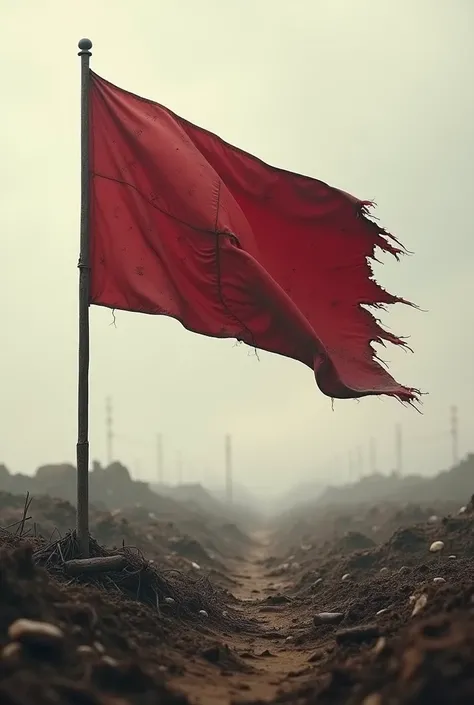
(185,225)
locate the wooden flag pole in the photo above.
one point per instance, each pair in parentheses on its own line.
(82,448)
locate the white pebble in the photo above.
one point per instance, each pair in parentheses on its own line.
(328,618)
(439,581)
(412,599)
(436,546)
(203,613)
(28,630)
(225,613)
(383,611)
(170,600)
(11,652)
(452,557)
(196,566)
(383,570)
(289,639)
(419,604)
(346,576)
(462,510)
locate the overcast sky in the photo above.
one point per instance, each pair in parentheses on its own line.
(373,96)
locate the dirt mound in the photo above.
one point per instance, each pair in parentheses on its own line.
(89,661)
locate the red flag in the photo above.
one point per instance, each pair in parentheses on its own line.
(185,225)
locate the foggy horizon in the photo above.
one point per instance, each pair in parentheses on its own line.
(341,104)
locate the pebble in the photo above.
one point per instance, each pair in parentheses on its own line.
(316,583)
(452,558)
(373,699)
(11,652)
(346,576)
(328,618)
(412,599)
(384,570)
(380,645)
(462,510)
(170,600)
(113,663)
(196,566)
(98,647)
(419,604)
(29,631)
(439,581)
(436,546)
(203,613)
(306,547)
(225,613)
(85,650)
(289,639)
(383,611)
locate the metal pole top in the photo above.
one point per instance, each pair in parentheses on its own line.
(85,46)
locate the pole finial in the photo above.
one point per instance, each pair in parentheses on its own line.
(85,46)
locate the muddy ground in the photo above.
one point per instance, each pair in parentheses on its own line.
(202,613)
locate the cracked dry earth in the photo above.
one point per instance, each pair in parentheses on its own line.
(274,663)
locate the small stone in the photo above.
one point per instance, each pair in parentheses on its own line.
(439,581)
(170,600)
(196,566)
(346,576)
(462,510)
(412,599)
(28,631)
(436,546)
(225,613)
(11,653)
(328,618)
(289,639)
(419,604)
(85,650)
(98,647)
(203,613)
(372,699)
(109,661)
(380,645)
(383,570)
(380,612)
(316,583)
(452,558)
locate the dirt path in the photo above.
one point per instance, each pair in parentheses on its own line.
(274,663)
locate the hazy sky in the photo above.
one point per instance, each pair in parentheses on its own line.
(373,96)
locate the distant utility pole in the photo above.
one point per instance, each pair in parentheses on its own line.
(109,430)
(373,456)
(159,458)
(454,435)
(228,469)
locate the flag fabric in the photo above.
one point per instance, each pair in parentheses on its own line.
(185,225)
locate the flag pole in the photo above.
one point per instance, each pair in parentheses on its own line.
(82,448)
